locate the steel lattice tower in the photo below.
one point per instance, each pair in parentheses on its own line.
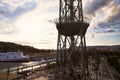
(71,58)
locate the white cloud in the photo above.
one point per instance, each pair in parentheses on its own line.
(32,27)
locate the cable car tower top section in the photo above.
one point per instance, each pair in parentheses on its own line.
(71,13)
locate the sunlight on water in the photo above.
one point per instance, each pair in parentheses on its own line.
(30,68)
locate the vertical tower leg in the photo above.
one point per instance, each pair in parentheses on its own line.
(71,61)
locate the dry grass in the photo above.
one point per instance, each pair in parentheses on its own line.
(5,76)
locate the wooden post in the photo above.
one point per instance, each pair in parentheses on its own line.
(17,70)
(8,71)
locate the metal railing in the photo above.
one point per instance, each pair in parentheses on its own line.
(25,71)
(85,20)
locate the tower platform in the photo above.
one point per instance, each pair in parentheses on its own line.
(72,28)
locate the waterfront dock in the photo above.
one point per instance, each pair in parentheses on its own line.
(33,70)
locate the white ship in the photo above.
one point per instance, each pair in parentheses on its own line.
(13,56)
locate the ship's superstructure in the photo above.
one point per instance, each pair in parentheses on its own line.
(13,56)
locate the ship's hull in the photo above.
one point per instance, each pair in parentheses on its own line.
(16,60)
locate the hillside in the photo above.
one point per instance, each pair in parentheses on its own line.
(113,47)
(8,46)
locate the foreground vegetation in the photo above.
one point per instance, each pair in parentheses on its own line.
(4,76)
(112,56)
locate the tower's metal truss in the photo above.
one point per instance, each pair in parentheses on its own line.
(71,58)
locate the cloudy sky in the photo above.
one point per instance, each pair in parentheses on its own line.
(27,22)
